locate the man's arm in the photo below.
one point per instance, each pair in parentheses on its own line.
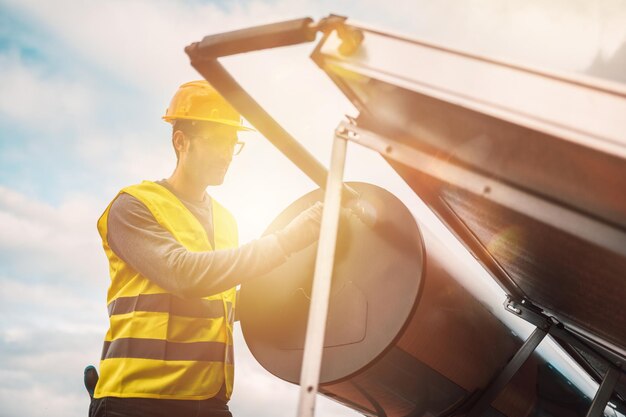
(137,238)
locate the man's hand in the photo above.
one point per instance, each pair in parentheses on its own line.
(302,230)
(362,209)
(305,228)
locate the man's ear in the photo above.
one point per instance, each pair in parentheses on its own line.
(180,142)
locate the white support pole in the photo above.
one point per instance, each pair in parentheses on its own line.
(318,311)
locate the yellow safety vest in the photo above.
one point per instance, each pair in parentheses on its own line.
(159,345)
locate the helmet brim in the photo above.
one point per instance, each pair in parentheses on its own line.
(226,122)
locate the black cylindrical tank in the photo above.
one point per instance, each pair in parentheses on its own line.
(403,336)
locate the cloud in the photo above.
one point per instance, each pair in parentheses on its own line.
(39,400)
(40,241)
(35,99)
(49,306)
(52,310)
(41,372)
(142,41)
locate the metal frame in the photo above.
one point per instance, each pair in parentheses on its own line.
(576,108)
(573,110)
(604,393)
(545,325)
(573,124)
(509,371)
(609,381)
(318,311)
(555,215)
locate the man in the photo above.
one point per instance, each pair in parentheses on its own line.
(174,263)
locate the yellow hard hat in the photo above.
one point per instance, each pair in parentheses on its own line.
(198,100)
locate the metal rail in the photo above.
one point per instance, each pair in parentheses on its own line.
(603,395)
(508,372)
(318,311)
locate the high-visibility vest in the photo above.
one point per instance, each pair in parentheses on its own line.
(159,345)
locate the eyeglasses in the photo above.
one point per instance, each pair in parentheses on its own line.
(238,147)
(234,147)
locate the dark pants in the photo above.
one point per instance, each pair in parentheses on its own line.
(148,407)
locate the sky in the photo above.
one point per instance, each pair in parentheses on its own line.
(83,85)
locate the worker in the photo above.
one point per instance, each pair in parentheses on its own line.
(174,264)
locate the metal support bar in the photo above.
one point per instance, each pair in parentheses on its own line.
(534,315)
(530,313)
(274,35)
(508,372)
(316,326)
(603,395)
(567,220)
(230,89)
(204,58)
(239,98)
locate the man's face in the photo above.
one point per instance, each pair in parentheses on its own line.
(208,153)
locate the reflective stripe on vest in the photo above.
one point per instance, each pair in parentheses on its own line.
(159,345)
(167,303)
(165,350)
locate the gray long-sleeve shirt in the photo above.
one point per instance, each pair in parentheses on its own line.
(137,238)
